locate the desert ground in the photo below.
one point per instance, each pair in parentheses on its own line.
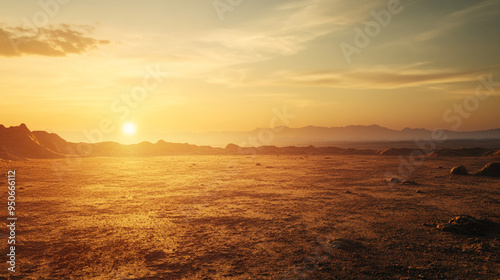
(249,217)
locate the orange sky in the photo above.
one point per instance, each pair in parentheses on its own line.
(175,66)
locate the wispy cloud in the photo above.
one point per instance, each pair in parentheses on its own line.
(51,41)
(474,11)
(377,79)
(288,30)
(370,78)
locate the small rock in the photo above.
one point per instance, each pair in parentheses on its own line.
(410,182)
(419,191)
(478,247)
(459,170)
(258,164)
(395,180)
(348,192)
(471,226)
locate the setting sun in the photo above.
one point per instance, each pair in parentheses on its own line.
(129,128)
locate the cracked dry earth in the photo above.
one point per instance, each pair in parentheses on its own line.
(239,217)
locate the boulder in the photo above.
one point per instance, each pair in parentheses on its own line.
(394,180)
(467,225)
(490,170)
(459,170)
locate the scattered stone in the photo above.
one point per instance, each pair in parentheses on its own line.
(490,170)
(395,180)
(410,182)
(459,170)
(477,247)
(467,225)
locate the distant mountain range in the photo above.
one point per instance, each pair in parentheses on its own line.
(324,136)
(18,142)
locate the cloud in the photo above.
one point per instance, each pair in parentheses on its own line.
(457,18)
(380,79)
(52,41)
(333,12)
(288,30)
(374,78)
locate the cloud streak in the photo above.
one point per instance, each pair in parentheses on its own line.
(363,79)
(53,41)
(285,32)
(379,79)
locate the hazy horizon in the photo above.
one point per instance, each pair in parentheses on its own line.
(282,136)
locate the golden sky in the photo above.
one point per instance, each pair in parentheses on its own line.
(198,66)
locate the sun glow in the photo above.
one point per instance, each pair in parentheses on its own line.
(129,128)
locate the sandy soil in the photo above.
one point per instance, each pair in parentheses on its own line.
(239,217)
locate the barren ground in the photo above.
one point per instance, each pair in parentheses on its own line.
(239,217)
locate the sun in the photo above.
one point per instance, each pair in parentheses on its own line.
(129,128)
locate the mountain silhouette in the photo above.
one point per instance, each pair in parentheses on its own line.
(18,142)
(325,136)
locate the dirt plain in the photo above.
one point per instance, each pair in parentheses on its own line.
(248,217)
